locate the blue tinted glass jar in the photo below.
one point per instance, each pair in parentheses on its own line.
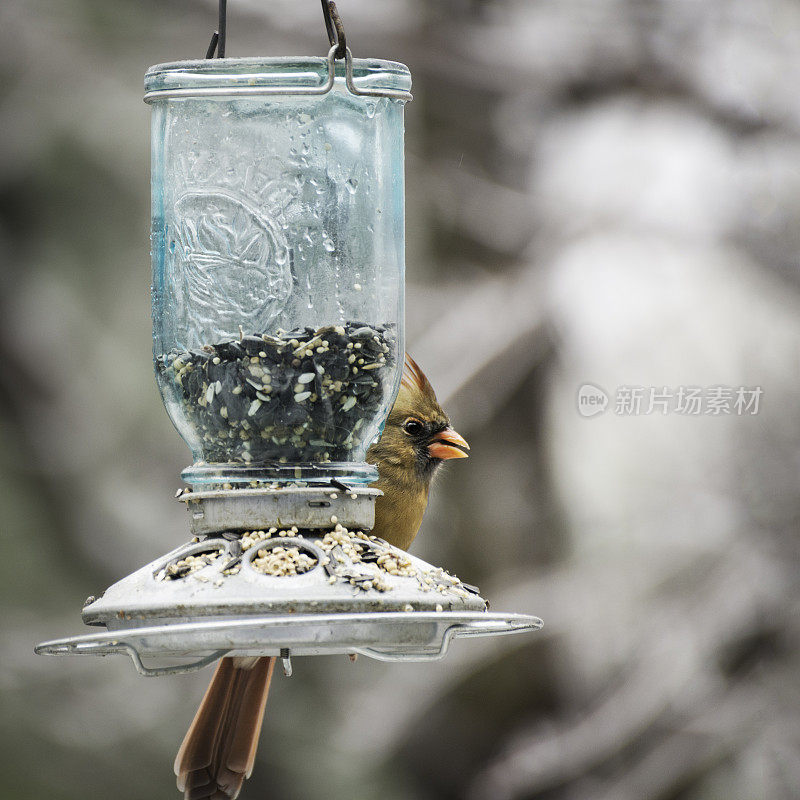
(278,262)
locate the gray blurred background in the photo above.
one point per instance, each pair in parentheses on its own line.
(603,191)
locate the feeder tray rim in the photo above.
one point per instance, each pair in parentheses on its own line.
(216,638)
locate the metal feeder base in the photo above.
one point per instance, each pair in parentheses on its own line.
(283,590)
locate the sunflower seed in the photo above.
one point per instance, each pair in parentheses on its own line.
(281,396)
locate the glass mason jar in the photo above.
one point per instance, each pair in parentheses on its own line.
(278,262)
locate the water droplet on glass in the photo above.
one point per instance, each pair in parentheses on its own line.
(308,288)
(328,244)
(352,185)
(371,108)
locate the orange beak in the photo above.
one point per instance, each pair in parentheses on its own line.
(448,444)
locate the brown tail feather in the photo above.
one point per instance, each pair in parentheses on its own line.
(219,749)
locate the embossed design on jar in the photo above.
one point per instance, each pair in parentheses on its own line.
(232,265)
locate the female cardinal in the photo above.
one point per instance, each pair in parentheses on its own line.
(219,750)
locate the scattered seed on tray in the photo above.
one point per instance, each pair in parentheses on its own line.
(298,395)
(190,564)
(283,561)
(355,557)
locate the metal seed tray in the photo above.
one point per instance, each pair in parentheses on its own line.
(338,583)
(390,636)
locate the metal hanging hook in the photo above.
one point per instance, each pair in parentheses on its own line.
(333,26)
(218,39)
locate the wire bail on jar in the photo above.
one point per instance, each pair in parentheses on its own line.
(333,26)
(338,50)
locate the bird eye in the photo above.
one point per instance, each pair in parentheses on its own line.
(413,426)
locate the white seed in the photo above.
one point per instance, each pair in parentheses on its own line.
(306,377)
(254,406)
(299,398)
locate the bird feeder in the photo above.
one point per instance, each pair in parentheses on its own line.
(278,342)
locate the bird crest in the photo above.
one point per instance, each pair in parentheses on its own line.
(414,377)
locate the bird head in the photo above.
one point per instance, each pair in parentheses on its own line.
(418,436)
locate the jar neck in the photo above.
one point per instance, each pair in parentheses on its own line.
(276,475)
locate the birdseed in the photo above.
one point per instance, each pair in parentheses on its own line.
(191,564)
(293,396)
(359,559)
(281,561)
